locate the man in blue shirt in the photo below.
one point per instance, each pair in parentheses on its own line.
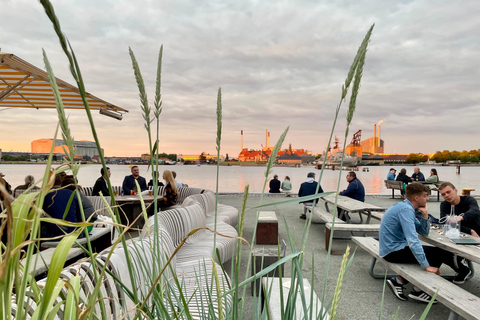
(391,174)
(399,242)
(417,175)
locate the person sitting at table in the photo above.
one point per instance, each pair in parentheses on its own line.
(274,185)
(55,205)
(402,176)
(179,185)
(155,176)
(399,243)
(101,184)
(6,185)
(29,182)
(465,207)
(129,182)
(417,175)
(308,188)
(355,190)
(171,193)
(433,178)
(88,209)
(391,174)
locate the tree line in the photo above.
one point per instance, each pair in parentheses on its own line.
(472,156)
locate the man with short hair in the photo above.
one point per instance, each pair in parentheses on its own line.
(399,242)
(129,182)
(308,188)
(417,175)
(101,184)
(174,174)
(355,189)
(465,207)
(391,174)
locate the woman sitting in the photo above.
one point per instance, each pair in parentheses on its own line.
(171,193)
(433,176)
(402,176)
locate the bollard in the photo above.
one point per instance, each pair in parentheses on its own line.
(458,169)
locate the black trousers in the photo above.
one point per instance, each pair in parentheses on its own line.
(435,257)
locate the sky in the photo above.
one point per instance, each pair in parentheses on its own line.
(278,64)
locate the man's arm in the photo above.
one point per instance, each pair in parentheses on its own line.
(143,183)
(407,221)
(97,188)
(350,189)
(422,223)
(473,211)
(300,191)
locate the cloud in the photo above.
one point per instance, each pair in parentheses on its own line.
(277,63)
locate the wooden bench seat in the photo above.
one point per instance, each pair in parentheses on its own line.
(321,215)
(350,227)
(394,185)
(44,259)
(458,300)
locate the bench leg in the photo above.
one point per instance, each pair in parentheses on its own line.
(378,276)
(393,193)
(328,232)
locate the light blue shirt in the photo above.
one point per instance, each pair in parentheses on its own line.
(390,176)
(399,228)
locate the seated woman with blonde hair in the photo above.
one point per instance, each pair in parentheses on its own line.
(171,194)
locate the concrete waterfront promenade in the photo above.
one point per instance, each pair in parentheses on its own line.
(361,294)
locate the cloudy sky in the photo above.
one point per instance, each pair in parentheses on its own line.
(279,64)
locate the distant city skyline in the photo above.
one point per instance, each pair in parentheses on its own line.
(278,64)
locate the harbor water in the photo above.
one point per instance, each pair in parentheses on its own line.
(235,178)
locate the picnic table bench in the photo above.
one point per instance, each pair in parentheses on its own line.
(44,259)
(459,301)
(349,205)
(394,185)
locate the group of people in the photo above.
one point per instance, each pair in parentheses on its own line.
(416,176)
(401,224)
(275,185)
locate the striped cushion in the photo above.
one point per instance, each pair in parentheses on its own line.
(228,214)
(99,206)
(184,192)
(88,191)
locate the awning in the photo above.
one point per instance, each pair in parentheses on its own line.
(22,85)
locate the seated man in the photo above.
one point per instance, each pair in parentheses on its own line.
(101,184)
(129,182)
(178,184)
(355,189)
(417,175)
(399,242)
(391,174)
(465,207)
(29,182)
(306,189)
(55,205)
(274,185)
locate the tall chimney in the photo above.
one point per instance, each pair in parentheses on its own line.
(378,136)
(268,144)
(266,139)
(374,137)
(241,140)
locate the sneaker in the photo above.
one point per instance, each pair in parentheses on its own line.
(397,288)
(302,216)
(459,262)
(421,296)
(461,276)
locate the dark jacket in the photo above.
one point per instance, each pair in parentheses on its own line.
(404,178)
(355,190)
(471,214)
(100,185)
(274,186)
(150,183)
(55,204)
(418,176)
(309,188)
(129,184)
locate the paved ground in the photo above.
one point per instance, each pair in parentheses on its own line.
(361,294)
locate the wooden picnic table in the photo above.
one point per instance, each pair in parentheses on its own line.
(470,252)
(350,205)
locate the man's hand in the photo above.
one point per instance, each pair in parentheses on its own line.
(432,270)
(424,212)
(473,233)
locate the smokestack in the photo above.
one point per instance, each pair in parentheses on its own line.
(241,140)
(268,144)
(266,137)
(379,123)
(374,136)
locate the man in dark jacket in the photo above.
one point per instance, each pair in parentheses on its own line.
(417,175)
(355,190)
(465,207)
(306,189)
(101,184)
(129,182)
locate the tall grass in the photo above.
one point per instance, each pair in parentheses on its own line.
(161,294)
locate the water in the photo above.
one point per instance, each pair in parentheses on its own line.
(235,178)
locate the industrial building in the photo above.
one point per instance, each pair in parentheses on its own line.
(82,148)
